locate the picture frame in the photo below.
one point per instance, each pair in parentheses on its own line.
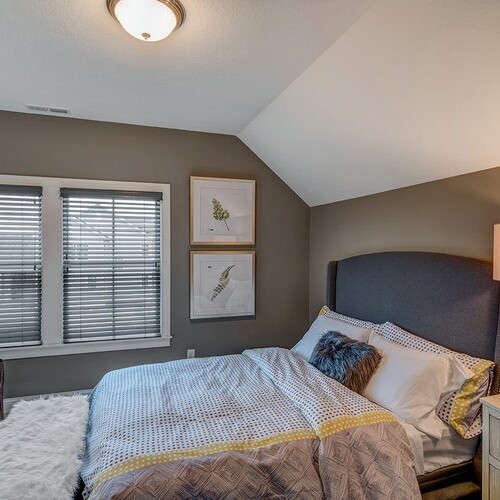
(222,284)
(222,211)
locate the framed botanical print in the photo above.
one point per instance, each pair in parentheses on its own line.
(222,284)
(222,211)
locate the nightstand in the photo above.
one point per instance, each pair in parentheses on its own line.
(491,448)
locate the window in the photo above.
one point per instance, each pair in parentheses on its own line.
(111,265)
(84,266)
(20,265)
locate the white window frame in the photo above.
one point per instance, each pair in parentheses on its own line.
(52,269)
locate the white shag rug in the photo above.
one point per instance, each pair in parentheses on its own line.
(41,446)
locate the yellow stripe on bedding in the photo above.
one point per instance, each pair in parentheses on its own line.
(323,311)
(141,461)
(463,401)
(342,423)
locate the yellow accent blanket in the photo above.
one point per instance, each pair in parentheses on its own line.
(263,424)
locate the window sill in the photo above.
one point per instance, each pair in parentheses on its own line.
(68,349)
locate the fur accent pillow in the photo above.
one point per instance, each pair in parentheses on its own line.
(350,362)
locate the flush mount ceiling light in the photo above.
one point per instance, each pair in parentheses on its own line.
(147,20)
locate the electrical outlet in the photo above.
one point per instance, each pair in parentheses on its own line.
(190,353)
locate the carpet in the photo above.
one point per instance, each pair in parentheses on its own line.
(41,445)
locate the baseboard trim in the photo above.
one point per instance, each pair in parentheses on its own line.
(10,402)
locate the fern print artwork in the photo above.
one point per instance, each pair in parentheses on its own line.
(223,282)
(220,213)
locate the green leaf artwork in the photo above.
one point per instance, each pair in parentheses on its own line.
(220,213)
(223,282)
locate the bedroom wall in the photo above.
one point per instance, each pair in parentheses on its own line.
(454,215)
(57,147)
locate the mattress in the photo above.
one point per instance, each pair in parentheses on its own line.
(431,454)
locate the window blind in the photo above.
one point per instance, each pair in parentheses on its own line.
(20,265)
(111,265)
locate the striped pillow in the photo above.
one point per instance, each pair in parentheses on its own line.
(461,409)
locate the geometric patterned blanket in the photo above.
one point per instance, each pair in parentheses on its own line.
(263,424)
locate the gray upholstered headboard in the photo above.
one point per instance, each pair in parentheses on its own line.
(447,299)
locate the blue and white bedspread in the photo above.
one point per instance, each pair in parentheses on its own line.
(263,424)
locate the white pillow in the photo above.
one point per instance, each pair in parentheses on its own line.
(411,383)
(320,326)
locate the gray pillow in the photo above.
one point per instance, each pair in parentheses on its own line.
(350,362)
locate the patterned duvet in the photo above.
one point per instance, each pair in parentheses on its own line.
(263,424)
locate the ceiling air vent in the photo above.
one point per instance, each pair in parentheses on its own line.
(48,110)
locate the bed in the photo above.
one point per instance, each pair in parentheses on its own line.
(447,299)
(267,424)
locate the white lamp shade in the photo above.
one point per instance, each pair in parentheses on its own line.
(146,20)
(496,252)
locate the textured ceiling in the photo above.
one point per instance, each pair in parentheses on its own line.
(226,63)
(341,98)
(409,94)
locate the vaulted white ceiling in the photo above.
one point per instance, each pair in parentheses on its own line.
(226,63)
(409,94)
(341,98)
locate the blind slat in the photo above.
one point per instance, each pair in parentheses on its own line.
(9,190)
(96,194)
(20,265)
(111,259)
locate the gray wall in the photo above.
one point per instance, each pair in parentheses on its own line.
(57,147)
(454,215)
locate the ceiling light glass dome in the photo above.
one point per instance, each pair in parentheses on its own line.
(147,20)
